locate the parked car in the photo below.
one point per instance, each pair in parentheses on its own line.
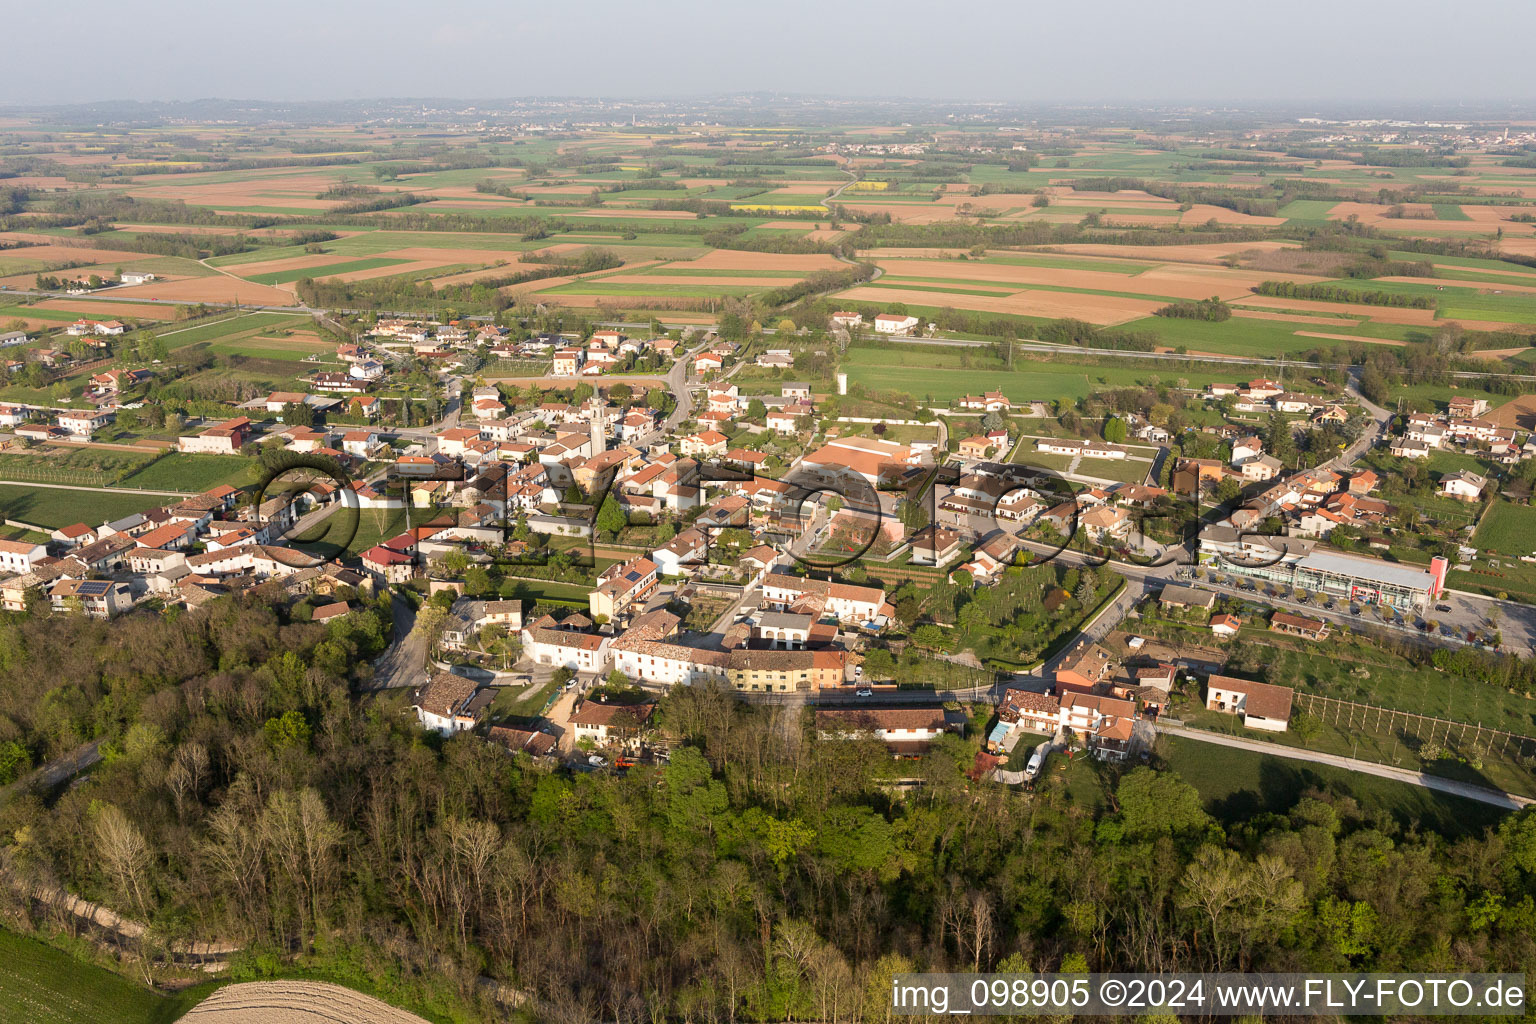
(864,691)
(1036,760)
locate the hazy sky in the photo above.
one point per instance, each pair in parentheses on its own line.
(1020,51)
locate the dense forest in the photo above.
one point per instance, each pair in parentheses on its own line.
(248,796)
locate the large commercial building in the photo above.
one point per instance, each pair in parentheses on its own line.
(1293,562)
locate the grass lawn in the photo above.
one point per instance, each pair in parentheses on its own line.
(1397,747)
(374,525)
(54,507)
(178,471)
(509,703)
(536,590)
(1239,784)
(42,985)
(1132,471)
(1507,529)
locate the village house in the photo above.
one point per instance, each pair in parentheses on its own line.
(1028,709)
(621,586)
(1260,705)
(1083,668)
(226,438)
(84,422)
(450,703)
(100,599)
(1297,625)
(1225,625)
(1176,595)
(891,323)
(989,401)
(1106,724)
(904,731)
(934,545)
(565,644)
(20,555)
(388,565)
(604,724)
(1463,485)
(706,442)
(841,601)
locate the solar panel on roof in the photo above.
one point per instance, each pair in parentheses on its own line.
(94,588)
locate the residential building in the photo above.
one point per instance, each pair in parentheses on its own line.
(101,599)
(1260,705)
(1083,668)
(904,731)
(621,586)
(1297,625)
(450,703)
(20,556)
(606,724)
(226,438)
(890,323)
(547,642)
(1463,485)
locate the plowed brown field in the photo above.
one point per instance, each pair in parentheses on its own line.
(294,1002)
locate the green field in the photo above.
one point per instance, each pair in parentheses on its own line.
(589,287)
(232,325)
(1307,209)
(1069,263)
(89,467)
(913,371)
(54,507)
(179,471)
(33,313)
(328,270)
(1238,784)
(1507,529)
(1469,262)
(41,985)
(1449,211)
(918,284)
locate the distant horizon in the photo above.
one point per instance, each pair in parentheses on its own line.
(1367,52)
(722,105)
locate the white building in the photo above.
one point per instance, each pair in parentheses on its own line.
(889,323)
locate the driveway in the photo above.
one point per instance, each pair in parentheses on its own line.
(404,663)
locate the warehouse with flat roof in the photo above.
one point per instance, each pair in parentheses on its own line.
(1349,577)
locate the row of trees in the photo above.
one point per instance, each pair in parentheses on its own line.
(1337,293)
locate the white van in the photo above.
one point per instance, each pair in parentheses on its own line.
(1036,760)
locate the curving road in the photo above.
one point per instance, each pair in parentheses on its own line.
(404,662)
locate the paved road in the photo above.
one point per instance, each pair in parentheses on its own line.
(1380,418)
(1495,797)
(404,663)
(49,775)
